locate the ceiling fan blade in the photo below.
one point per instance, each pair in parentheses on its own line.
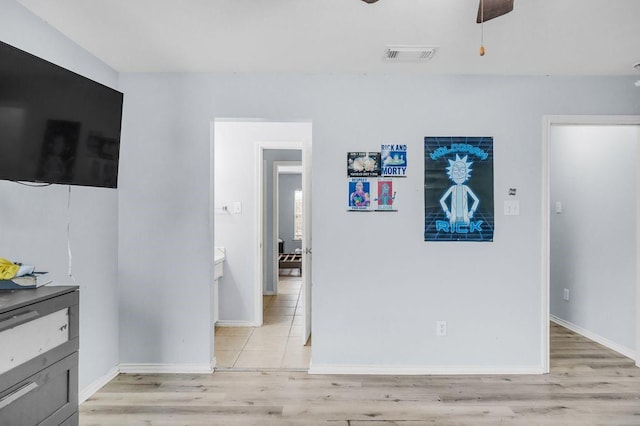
(493,9)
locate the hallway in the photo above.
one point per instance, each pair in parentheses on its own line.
(275,345)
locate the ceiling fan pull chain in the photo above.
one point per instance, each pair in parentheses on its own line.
(481,27)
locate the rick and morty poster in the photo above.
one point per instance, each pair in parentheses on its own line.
(458,189)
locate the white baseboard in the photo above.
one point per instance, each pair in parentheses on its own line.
(269,293)
(94,387)
(420,370)
(206,368)
(623,350)
(232,323)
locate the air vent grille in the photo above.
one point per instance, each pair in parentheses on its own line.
(409,53)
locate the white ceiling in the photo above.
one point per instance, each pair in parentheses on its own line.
(555,37)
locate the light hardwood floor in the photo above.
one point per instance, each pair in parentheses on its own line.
(588,385)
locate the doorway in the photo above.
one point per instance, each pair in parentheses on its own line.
(583,182)
(285,234)
(256,328)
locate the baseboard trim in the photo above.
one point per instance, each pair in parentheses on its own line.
(149,368)
(421,370)
(97,384)
(231,323)
(622,350)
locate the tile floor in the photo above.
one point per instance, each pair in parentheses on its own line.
(275,345)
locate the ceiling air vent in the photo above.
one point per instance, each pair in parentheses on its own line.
(409,53)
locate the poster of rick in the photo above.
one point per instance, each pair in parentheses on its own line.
(458,189)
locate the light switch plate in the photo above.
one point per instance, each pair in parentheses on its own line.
(512,208)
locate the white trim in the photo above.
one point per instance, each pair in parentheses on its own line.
(258,237)
(291,169)
(214,302)
(232,323)
(420,370)
(151,368)
(307,239)
(97,384)
(547,122)
(275,228)
(623,350)
(638,251)
(545,249)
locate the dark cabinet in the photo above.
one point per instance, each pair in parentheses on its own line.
(39,356)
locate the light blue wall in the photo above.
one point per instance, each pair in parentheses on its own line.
(593,240)
(34,220)
(489,293)
(156,228)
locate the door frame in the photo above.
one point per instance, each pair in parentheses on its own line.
(304,146)
(547,122)
(280,168)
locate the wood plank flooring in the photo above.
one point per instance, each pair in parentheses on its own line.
(588,385)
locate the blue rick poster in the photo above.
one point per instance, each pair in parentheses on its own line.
(458,189)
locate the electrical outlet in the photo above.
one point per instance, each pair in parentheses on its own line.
(237,207)
(441,328)
(565,296)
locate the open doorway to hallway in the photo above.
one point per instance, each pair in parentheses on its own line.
(264,316)
(591,233)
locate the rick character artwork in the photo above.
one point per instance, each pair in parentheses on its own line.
(455,202)
(458,189)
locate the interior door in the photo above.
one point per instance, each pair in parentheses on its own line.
(306,239)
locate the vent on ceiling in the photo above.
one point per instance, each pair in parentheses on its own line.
(409,53)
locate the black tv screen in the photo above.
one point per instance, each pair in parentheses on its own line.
(56,126)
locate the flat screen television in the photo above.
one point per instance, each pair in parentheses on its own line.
(56,126)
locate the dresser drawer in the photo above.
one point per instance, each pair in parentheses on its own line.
(35,336)
(49,397)
(28,340)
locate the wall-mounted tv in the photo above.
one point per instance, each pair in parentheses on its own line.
(56,126)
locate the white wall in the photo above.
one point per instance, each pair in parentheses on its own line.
(593,240)
(235,143)
(34,220)
(363,314)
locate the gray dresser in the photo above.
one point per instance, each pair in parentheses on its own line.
(39,356)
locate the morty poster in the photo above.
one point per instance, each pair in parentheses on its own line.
(458,189)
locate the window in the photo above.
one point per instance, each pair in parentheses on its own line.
(297,214)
